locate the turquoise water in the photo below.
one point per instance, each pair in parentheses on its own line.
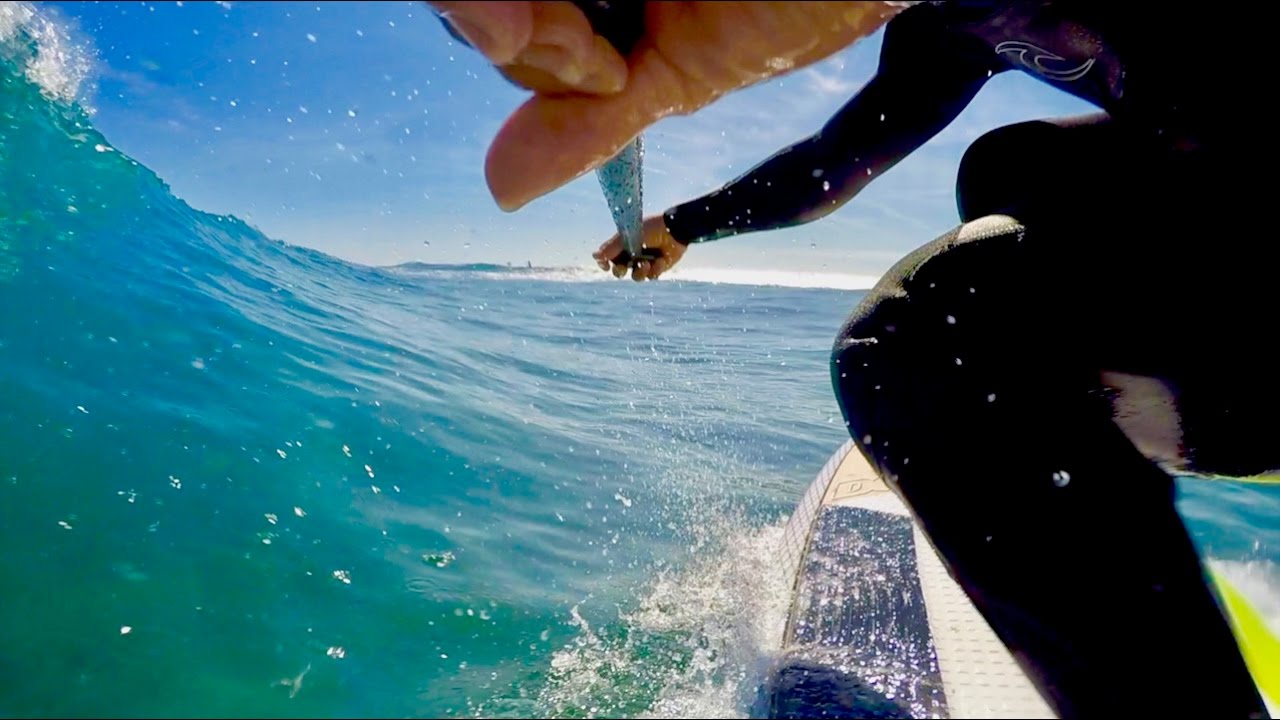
(245,478)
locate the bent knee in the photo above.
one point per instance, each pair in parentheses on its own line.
(935,331)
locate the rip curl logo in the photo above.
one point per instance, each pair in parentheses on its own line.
(1041,61)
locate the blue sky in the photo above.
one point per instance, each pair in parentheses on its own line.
(360,129)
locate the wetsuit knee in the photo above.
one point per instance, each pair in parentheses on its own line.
(856,362)
(911,334)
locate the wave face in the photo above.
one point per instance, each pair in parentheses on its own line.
(242,478)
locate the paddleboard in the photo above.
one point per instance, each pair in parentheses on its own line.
(877,627)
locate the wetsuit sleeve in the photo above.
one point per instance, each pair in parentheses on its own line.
(928,73)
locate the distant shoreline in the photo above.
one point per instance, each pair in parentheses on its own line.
(718,276)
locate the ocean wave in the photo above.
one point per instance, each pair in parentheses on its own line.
(225,443)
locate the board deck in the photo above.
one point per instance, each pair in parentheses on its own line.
(877,626)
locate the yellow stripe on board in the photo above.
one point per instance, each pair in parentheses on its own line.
(1258,644)
(1269,478)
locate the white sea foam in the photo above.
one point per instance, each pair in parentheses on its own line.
(47,50)
(775,278)
(1259,582)
(722,616)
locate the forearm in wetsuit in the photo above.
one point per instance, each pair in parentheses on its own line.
(927,75)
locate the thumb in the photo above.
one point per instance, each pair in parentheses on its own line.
(608,251)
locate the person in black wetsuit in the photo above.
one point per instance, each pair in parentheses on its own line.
(1028,381)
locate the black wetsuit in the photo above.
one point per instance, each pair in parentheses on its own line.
(1105,305)
(1136,63)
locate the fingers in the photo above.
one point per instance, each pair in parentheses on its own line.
(662,252)
(609,260)
(659,266)
(547,47)
(550,140)
(499,30)
(551,71)
(692,54)
(642,269)
(608,251)
(649,269)
(564,55)
(640,272)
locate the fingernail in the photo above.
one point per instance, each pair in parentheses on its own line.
(607,70)
(473,33)
(602,83)
(555,61)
